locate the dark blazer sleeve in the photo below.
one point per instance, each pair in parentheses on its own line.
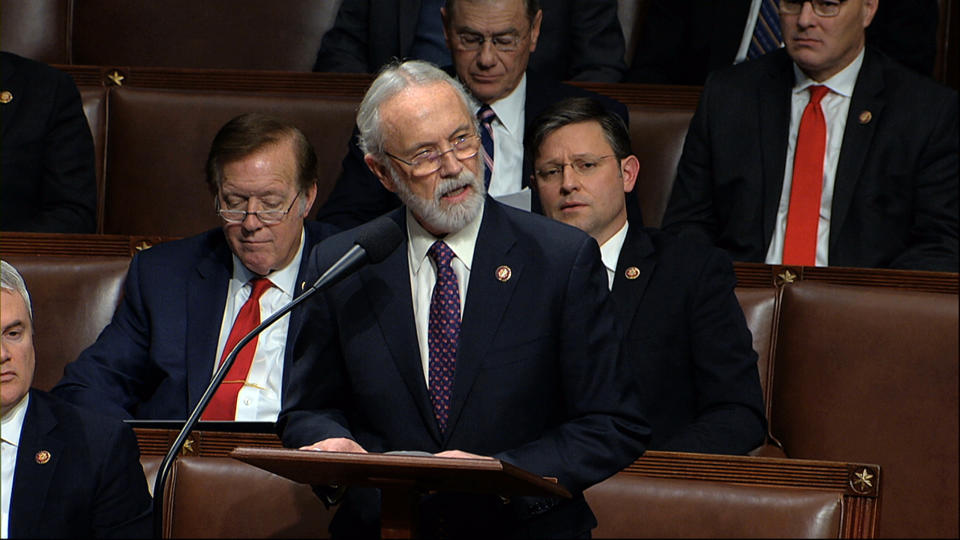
(122,508)
(48,157)
(345,47)
(729,404)
(115,374)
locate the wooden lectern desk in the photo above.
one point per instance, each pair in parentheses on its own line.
(401,478)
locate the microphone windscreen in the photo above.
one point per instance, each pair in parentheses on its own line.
(379,238)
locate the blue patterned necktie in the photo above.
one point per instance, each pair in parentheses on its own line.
(486,116)
(443,331)
(766,33)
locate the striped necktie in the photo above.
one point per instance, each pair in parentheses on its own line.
(766,33)
(486,116)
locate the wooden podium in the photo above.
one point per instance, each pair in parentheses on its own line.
(400,478)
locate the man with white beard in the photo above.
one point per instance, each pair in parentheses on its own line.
(486,333)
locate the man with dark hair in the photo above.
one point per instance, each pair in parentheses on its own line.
(582,39)
(66,473)
(823,153)
(485,333)
(686,337)
(491,42)
(187,303)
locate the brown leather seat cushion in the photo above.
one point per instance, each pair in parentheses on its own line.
(629,506)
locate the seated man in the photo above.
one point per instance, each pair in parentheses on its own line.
(486,333)
(821,154)
(67,473)
(491,42)
(686,337)
(49,178)
(181,299)
(582,39)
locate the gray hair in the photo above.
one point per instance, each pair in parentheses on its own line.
(393,79)
(12,281)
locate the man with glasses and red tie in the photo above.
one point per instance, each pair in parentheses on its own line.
(487,332)
(490,43)
(823,153)
(187,303)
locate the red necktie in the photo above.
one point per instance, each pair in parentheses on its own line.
(223,406)
(803,216)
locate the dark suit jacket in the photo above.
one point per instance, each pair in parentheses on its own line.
(579,39)
(92,486)
(688,342)
(682,41)
(155,358)
(48,175)
(895,196)
(358,195)
(538,383)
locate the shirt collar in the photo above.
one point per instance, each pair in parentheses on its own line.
(509,109)
(284,279)
(12,423)
(461,242)
(841,83)
(610,251)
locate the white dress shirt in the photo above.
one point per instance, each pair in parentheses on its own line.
(508,141)
(423,274)
(835,106)
(10,427)
(260,398)
(610,252)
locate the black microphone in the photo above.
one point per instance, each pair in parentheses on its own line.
(373,242)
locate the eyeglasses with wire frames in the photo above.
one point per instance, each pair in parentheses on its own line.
(585,166)
(823,8)
(267,217)
(427,162)
(503,42)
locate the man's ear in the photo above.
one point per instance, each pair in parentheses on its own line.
(379,169)
(311,195)
(535,30)
(629,169)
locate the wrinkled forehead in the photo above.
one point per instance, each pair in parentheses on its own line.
(424,112)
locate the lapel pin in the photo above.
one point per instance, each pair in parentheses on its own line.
(504,273)
(42,457)
(303,286)
(6,97)
(632,273)
(866,117)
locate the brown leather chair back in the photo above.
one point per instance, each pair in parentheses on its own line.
(73,298)
(233,34)
(760,309)
(657,138)
(210,497)
(95,108)
(37,29)
(158,143)
(870,374)
(629,506)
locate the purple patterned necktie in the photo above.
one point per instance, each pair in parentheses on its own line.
(443,331)
(486,116)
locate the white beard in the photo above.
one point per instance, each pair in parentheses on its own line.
(437,215)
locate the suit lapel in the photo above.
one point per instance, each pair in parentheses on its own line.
(387,286)
(296,315)
(487,299)
(32,481)
(856,141)
(774,119)
(206,298)
(627,292)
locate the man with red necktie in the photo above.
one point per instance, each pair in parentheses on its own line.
(187,303)
(823,153)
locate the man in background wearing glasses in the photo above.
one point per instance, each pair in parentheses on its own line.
(490,42)
(187,303)
(823,153)
(685,334)
(487,332)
